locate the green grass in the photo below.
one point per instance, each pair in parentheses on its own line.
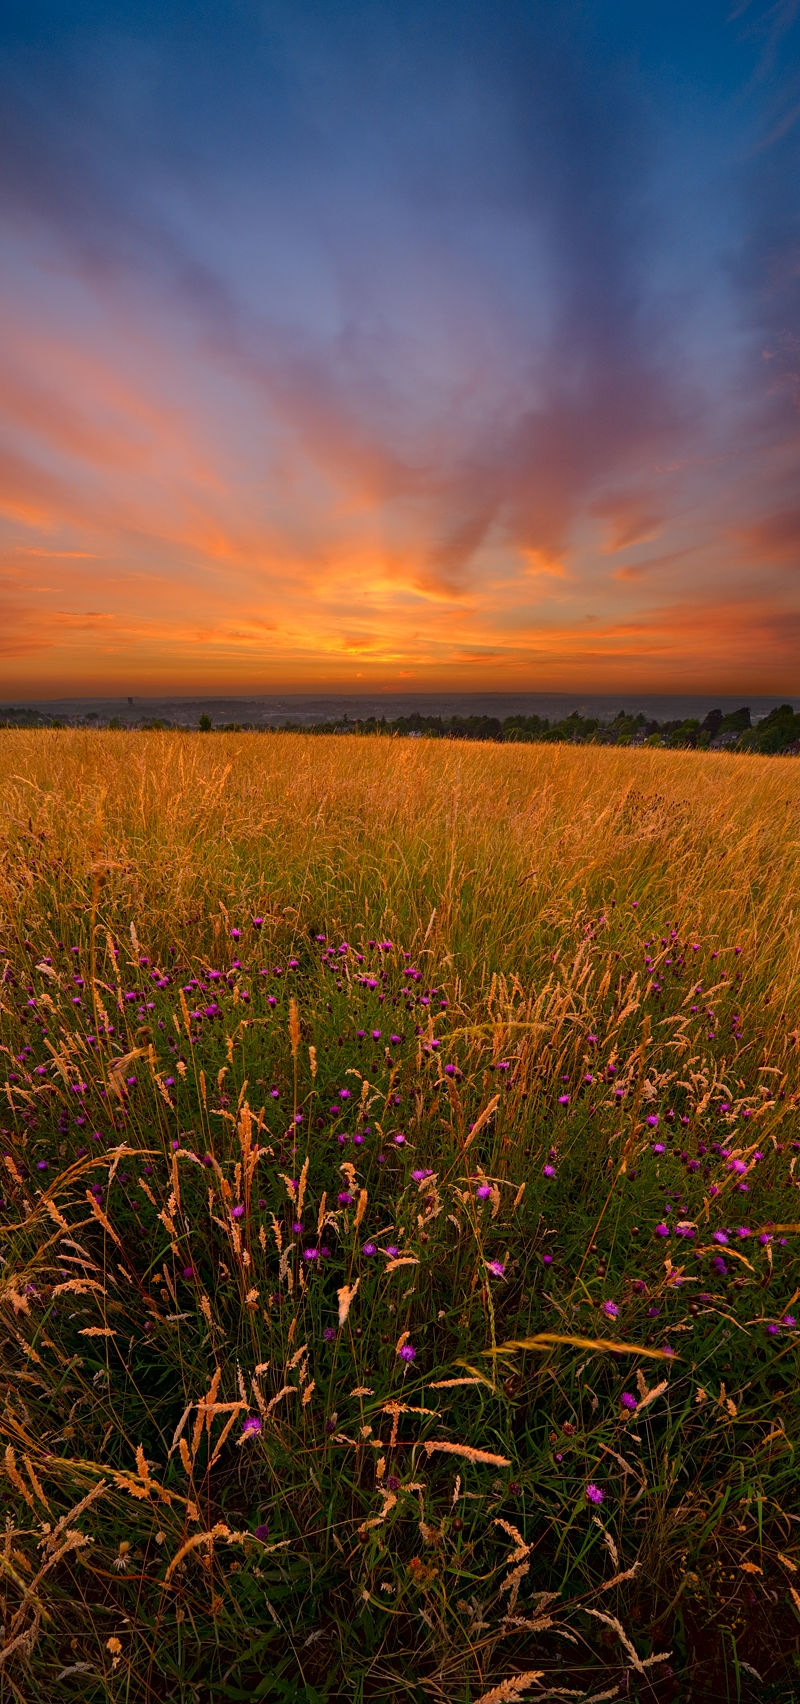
(331,1554)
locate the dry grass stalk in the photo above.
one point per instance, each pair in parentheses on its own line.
(638,1663)
(345,1297)
(465,1451)
(510,1690)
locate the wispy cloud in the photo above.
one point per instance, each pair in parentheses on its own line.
(398,342)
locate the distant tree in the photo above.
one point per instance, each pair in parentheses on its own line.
(736,721)
(204,724)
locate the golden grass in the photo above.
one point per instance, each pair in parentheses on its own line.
(465,851)
(524,881)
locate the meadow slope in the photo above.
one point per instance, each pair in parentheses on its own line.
(399,1286)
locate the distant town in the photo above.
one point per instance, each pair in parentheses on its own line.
(776,732)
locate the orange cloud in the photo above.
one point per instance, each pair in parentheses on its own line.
(632,519)
(209,532)
(772,538)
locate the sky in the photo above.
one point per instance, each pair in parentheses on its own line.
(399,344)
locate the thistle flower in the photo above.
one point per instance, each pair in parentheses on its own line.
(252,1426)
(594,1494)
(496,1268)
(628,1401)
(407,1353)
(611,1309)
(548,1171)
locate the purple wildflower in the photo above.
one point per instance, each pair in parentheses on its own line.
(407,1353)
(252,1426)
(594,1494)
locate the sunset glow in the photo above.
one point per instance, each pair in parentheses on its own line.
(366,346)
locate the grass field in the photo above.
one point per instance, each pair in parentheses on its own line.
(400,1221)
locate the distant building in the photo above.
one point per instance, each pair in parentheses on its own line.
(728,739)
